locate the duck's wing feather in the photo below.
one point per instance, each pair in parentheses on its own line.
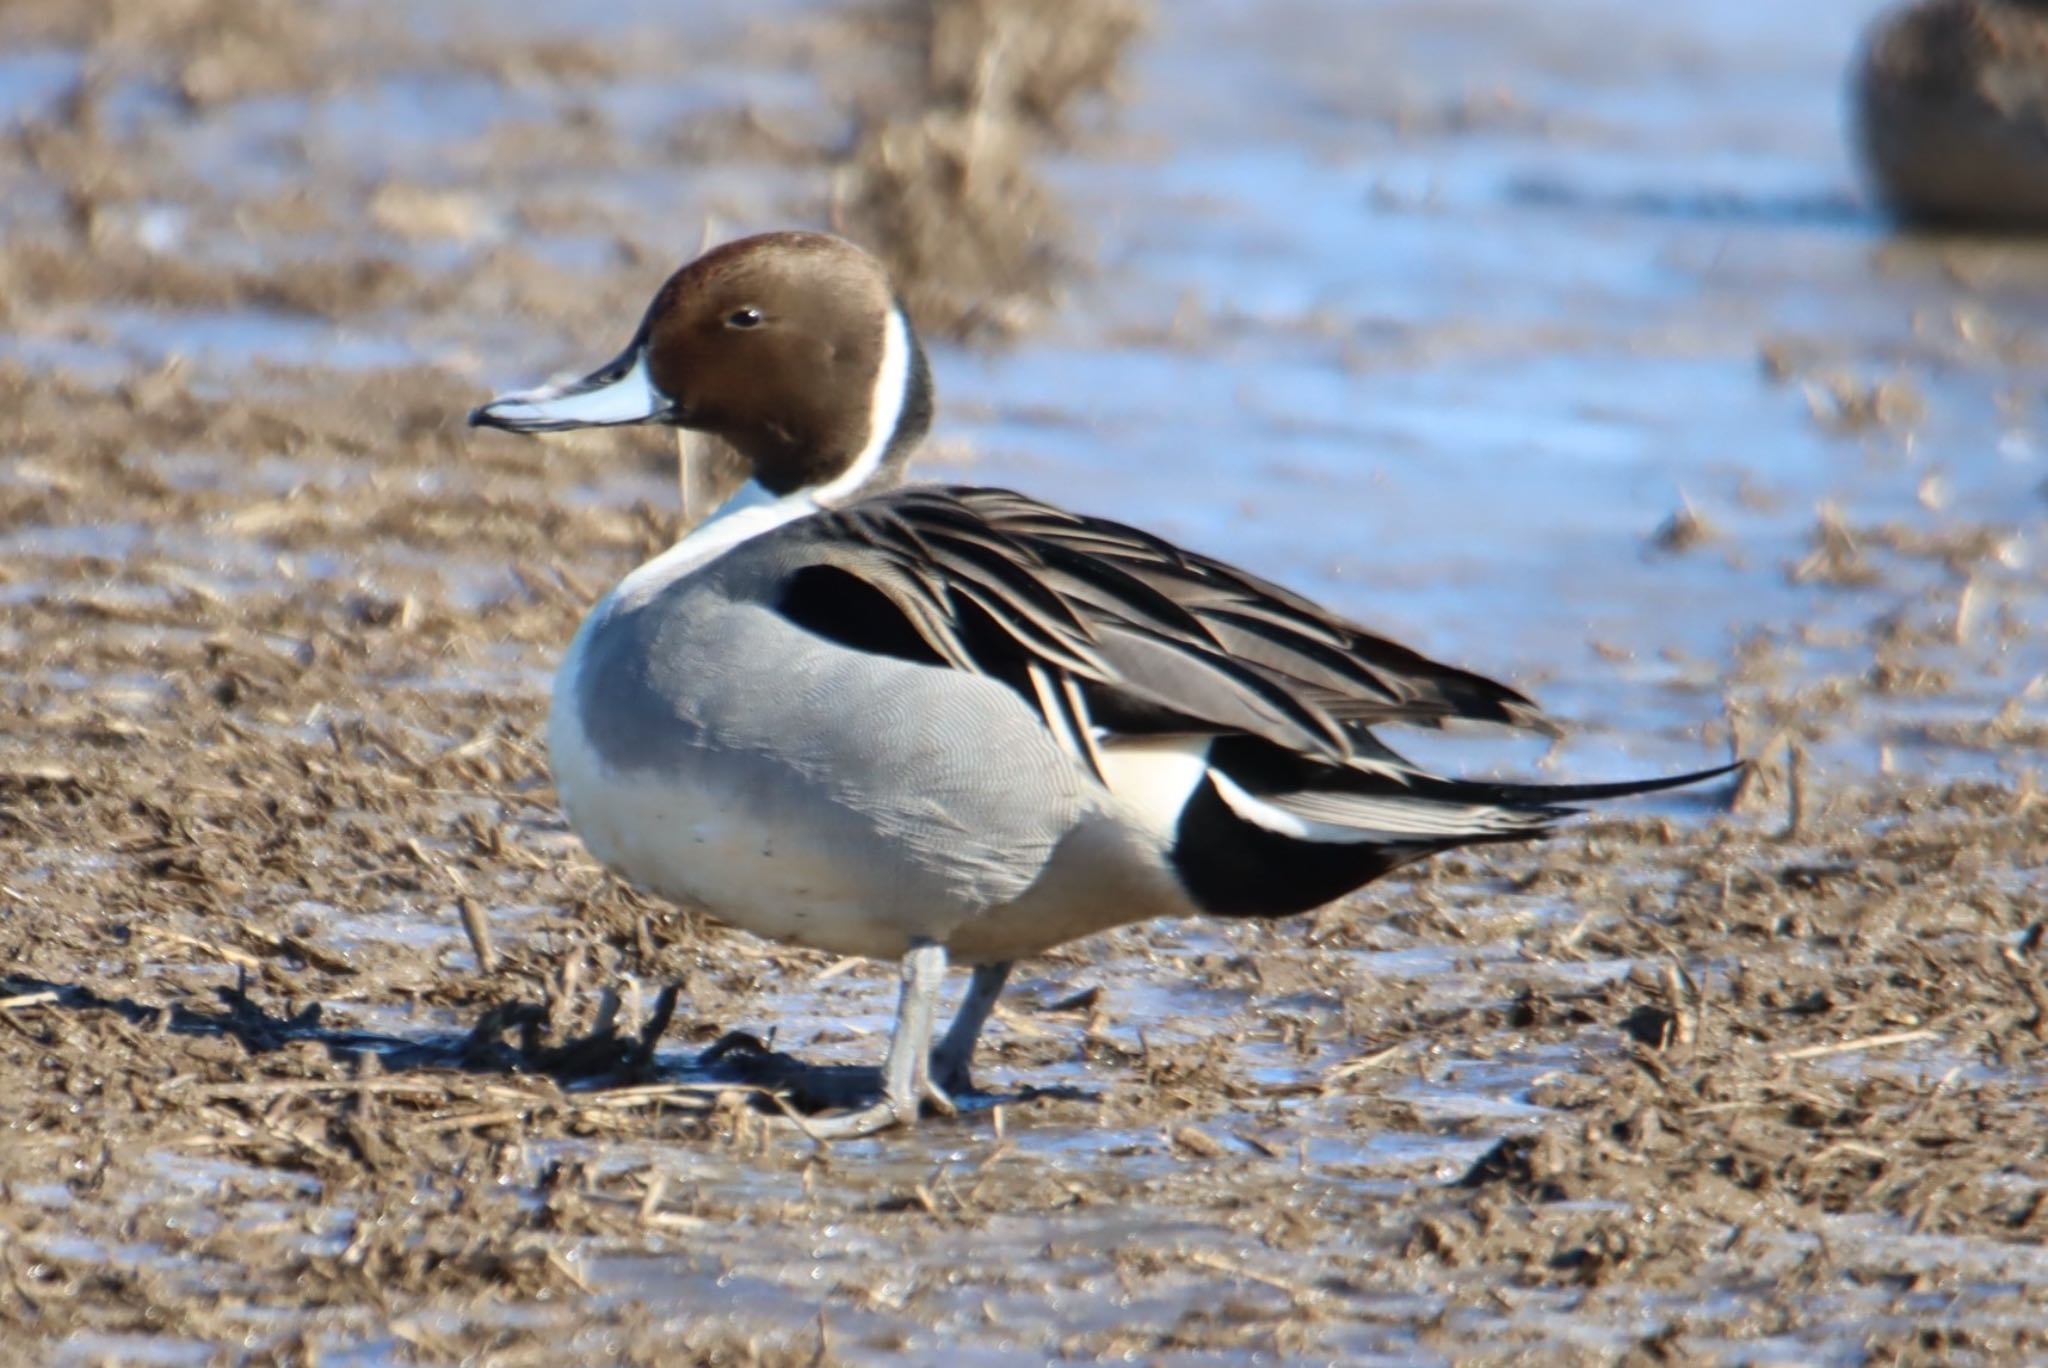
(1112,630)
(1113,634)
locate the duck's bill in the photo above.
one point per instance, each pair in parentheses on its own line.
(611,396)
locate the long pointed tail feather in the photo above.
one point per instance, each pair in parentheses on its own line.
(1550,795)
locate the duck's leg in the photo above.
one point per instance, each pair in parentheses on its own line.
(953,1061)
(906,1070)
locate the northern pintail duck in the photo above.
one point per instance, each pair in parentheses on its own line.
(1951,102)
(947,724)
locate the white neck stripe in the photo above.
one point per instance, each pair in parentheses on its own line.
(751,511)
(885,411)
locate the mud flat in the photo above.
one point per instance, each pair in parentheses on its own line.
(1585,365)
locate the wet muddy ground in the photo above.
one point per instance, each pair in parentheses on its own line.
(1556,339)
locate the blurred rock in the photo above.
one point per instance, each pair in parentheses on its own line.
(1951,104)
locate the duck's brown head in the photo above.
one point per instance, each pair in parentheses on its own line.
(791,347)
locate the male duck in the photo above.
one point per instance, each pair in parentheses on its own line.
(952,724)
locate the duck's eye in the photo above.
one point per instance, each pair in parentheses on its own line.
(749,317)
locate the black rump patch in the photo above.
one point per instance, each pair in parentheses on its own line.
(1235,868)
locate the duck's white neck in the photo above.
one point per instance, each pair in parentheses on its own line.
(751,511)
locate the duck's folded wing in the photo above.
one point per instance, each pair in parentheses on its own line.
(1357,675)
(1110,630)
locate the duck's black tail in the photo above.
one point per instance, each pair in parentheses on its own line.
(1267,834)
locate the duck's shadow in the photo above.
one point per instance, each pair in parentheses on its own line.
(520,1037)
(745,1060)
